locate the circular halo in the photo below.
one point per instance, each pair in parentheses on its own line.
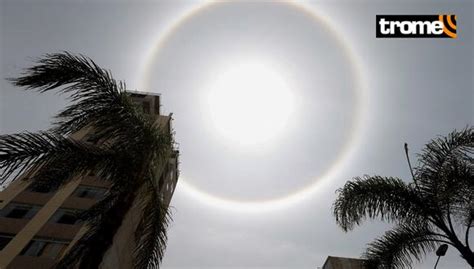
(256,206)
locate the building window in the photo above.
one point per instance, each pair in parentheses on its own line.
(41,188)
(19,211)
(44,248)
(4,240)
(146,107)
(65,216)
(89,192)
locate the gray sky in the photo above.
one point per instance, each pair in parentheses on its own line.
(414,89)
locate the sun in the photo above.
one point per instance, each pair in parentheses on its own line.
(249,104)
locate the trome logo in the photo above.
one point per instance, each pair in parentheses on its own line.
(416,26)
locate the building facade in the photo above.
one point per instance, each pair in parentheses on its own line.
(343,263)
(37,226)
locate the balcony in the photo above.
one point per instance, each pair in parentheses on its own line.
(59,231)
(33,198)
(11,225)
(27,262)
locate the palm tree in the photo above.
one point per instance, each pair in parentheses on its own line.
(132,152)
(437,207)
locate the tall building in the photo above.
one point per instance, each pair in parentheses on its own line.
(38,226)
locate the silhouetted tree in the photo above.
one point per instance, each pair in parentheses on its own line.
(437,207)
(135,149)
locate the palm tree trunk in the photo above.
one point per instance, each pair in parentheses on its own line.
(468,255)
(465,251)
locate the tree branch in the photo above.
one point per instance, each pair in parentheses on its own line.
(467,231)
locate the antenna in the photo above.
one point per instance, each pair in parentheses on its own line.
(409,163)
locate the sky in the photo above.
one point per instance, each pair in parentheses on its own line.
(275,107)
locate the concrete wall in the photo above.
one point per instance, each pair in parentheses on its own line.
(343,263)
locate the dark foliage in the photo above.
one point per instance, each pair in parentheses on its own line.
(435,208)
(130,151)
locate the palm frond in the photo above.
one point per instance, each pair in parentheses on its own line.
(440,199)
(104,205)
(398,248)
(105,217)
(97,99)
(446,164)
(131,153)
(151,236)
(90,248)
(388,198)
(77,75)
(60,69)
(47,151)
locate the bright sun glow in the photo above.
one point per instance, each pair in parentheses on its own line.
(250,104)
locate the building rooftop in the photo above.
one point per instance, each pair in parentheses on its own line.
(343,263)
(143,93)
